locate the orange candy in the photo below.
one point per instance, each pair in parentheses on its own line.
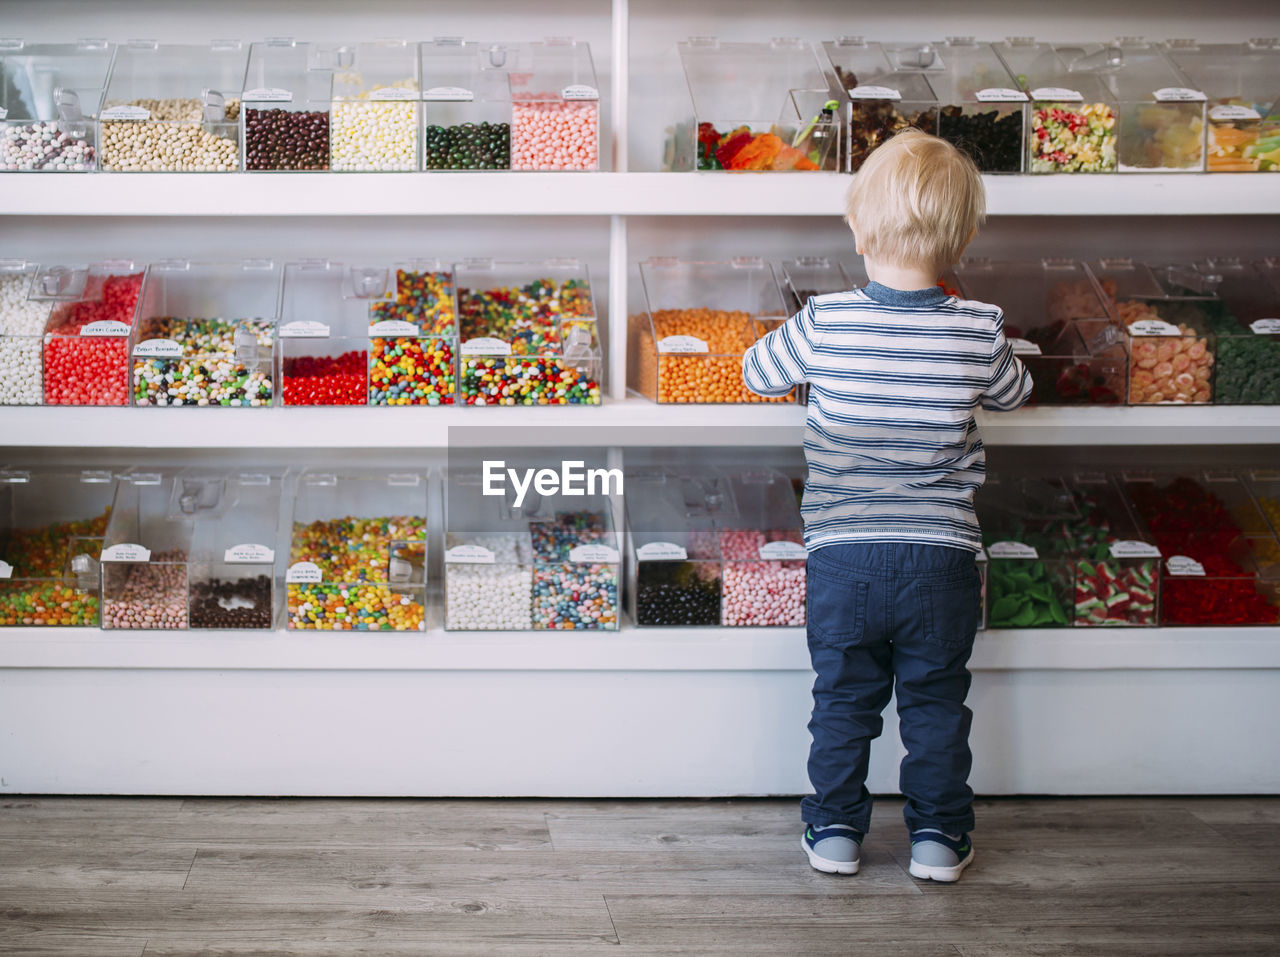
(711,377)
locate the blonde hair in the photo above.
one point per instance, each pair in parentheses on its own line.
(916,202)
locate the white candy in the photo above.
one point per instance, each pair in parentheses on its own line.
(489,597)
(21,327)
(374,135)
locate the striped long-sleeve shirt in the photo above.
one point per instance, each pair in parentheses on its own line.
(894,378)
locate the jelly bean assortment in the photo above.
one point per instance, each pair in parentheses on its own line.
(468,146)
(43,554)
(1186,519)
(548,133)
(537,322)
(276,139)
(571,595)
(46,147)
(21,324)
(757,591)
(711,377)
(150,595)
(406,370)
(1073,138)
(490,597)
(210,370)
(84,369)
(355,558)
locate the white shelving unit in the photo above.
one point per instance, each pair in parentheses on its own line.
(641,711)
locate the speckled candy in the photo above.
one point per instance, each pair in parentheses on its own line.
(147,595)
(208,372)
(44,147)
(756,591)
(569,596)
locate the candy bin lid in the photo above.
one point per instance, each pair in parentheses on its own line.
(1167,293)
(760,520)
(745,285)
(671,516)
(1241,80)
(52,523)
(97,299)
(1134,70)
(290,72)
(322,298)
(482,526)
(211,75)
(45,82)
(385,69)
(810,276)
(884,71)
(1247,294)
(962,71)
(760,106)
(555,68)
(363,533)
(454,70)
(233,548)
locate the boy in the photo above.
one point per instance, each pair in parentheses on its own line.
(895,371)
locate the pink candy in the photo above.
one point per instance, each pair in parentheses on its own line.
(755,591)
(548,133)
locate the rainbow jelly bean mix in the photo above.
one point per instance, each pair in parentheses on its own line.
(209,370)
(571,595)
(38,594)
(355,557)
(406,370)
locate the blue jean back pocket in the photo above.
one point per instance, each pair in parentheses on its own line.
(837,609)
(949,609)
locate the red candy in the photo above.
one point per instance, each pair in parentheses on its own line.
(325,380)
(91,370)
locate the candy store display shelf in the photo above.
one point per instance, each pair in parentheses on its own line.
(602,194)
(620,422)
(630,649)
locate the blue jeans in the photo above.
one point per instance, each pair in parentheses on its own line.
(886,616)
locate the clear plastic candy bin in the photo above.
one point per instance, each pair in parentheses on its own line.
(981,110)
(50,95)
(374,123)
(761,539)
(86,341)
(205,334)
(528,333)
(675,565)
(759,106)
(551,563)
(697,319)
(382,335)
(22,322)
(1245,321)
(466,108)
(173,108)
(884,91)
(357,558)
(52,523)
(1057,324)
(288,103)
(1239,80)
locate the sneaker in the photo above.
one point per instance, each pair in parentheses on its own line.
(834,849)
(936,856)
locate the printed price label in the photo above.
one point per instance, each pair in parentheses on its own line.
(682,344)
(468,555)
(1182,565)
(1024,347)
(249,554)
(661,552)
(398,93)
(393,327)
(1132,549)
(486,346)
(6,570)
(105,327)
(125,113)
(593,553)
(1012,550)
(1265,327)
(152,348)
(303,572)
(268,94)
(1227,113)
(783,550)
(1154,327)
(874,93)
(125,552)
(1057,93)
(1000,94)
(448,94)
(579,91)
(304,329)
(1178,94)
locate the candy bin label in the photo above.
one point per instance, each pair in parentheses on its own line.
(1178,94)
(126,552)
(393,327)
(1265,327)
(579,91)
(469,555)
(486,346)
(304,329)
(268,95)
(105,327)
(661,552)
(1011,550)
(593,553)
(303,572)
(783,550)
(1182,565)
(6,570)
(1154,327)
(998,94)
(125,113)
(1057,93)
(249,554)
(681,344)
(1229,112)
(1024,347)
(157,348)
(1132,549)
(874,93)
(448,94)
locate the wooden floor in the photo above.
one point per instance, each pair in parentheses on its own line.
(103,877)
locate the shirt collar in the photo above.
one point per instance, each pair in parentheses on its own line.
(904,297)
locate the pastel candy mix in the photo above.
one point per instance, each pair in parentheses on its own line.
(208,372)
(552,134)
(572,595)
(756,591)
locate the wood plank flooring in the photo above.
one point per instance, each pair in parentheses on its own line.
(145,877)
